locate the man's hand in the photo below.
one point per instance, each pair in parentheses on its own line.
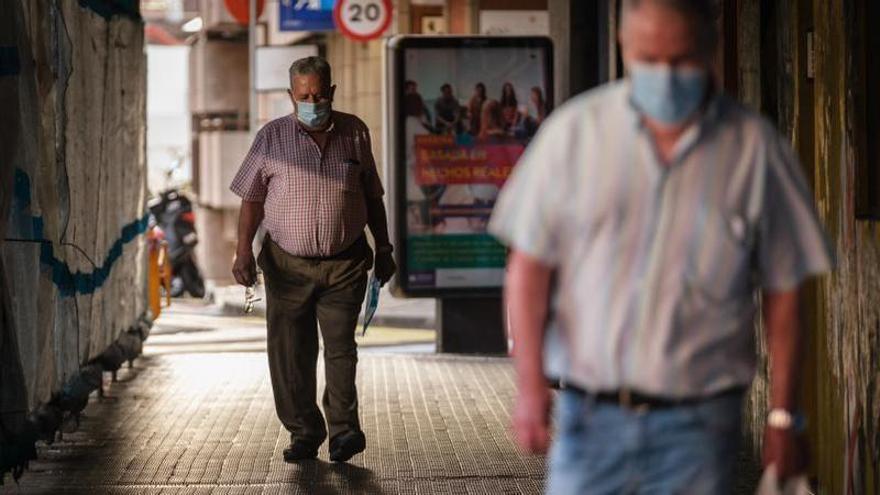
(385,267)
(526,292)
(787,450)
(531,419)
(245,268)
(784,447)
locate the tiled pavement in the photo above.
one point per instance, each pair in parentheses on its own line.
(185,421)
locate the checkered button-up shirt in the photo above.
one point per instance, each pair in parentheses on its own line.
(315,204)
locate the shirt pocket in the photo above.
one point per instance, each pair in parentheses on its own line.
(346,174)
(720,264)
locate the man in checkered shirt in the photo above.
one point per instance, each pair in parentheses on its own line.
(311,180)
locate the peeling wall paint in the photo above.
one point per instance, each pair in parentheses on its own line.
(73,253)
(824,119)
(851,320)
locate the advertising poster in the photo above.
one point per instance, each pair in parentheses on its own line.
(468,115)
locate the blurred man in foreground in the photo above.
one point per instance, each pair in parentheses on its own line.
(311,180)
(662,206)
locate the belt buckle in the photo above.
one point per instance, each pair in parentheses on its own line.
(625,399)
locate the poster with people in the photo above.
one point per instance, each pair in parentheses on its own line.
(468,114)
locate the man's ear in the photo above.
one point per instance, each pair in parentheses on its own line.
(292,99)
(332,92)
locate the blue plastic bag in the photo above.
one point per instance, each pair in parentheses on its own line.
(371,302)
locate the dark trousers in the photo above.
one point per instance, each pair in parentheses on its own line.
(301,295)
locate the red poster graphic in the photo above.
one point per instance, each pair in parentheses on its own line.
(441,160)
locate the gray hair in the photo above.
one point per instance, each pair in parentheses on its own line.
(703,15)
(311,65)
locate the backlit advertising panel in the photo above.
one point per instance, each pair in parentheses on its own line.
(461,111)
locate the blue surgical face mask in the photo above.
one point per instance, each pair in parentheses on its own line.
(313,114)
(665,94)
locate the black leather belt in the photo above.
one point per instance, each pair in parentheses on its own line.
(355,251)
(629,399)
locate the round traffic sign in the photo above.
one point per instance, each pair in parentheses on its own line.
(362,20)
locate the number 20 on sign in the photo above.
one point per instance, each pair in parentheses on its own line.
(362,20)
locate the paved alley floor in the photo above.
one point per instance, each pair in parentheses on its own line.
(195,415)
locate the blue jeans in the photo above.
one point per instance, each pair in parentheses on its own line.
(603,448)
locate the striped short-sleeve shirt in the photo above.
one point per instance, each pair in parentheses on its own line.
(315,203)
(657,264)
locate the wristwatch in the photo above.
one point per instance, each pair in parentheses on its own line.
(782,419)
(387,248)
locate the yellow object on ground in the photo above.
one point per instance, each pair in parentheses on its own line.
(158,274)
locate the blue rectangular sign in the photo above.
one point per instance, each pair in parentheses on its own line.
(306,15)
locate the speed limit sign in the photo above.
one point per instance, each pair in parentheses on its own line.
(362,20)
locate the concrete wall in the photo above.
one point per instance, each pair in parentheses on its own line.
(73,253)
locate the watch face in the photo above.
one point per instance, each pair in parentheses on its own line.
(780,419)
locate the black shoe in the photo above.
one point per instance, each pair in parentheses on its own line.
(346,445)
(299,451)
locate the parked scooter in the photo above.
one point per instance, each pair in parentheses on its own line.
(173,214)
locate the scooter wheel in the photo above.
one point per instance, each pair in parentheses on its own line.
(192,280)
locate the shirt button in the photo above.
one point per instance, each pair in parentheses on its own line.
(738,227)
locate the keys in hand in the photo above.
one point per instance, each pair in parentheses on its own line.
(250,298)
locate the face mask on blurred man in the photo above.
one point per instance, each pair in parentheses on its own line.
(313,114)
(667,94)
